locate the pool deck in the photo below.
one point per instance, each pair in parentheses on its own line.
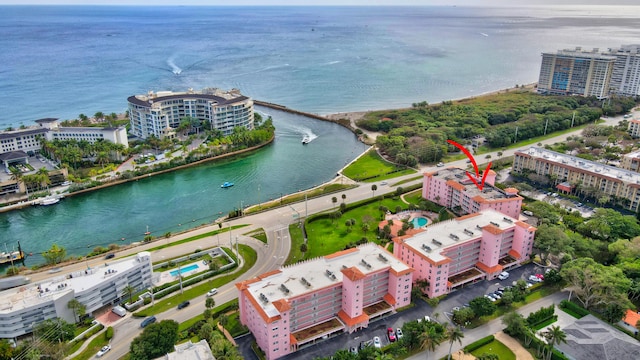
(167,277)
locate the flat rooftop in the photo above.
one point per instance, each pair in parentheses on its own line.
(60,283)
(311,275)
(611,172)
(435,238)
(489,192)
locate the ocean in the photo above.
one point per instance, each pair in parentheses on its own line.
(61,61)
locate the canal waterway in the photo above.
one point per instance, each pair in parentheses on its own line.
(187,198)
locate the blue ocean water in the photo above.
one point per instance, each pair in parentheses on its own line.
(60,61)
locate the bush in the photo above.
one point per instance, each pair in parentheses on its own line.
(479,343)
(541,315)
(109,333)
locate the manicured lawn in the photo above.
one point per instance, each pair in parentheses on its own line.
(297,239)
(495,347)
(326,236)
(258,234)
(372,167)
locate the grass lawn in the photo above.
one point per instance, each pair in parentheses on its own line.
(258,234)
(326,236)
(372,167)
(297,239)
(297,197)
(234,327)
(92,349)
(250,257)
(495,347)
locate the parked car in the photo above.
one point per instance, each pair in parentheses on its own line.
(491,297)
(455,308)
(440,164)
(540,276)
(212,292)
(399,333)
(534,279)
(426,318)
(105,349)
(148,321)
(353,350)
(364,344)
(391,335)
(529,285)
(496,295)
(503,275)
(376,342)
(183,305)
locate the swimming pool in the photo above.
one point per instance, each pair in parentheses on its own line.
(419,222)
(184,269)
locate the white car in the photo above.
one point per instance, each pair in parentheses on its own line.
(503,275)
(376,342)
(534,279)
(104,350)
(399,333)
(212,292)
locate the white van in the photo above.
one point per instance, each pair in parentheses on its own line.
(503,275)
(119,310)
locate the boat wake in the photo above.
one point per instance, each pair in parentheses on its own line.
(174,68)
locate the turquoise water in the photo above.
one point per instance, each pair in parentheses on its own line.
(419,222)
(184,269)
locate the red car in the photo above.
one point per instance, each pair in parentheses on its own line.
(391,334)
(540,276)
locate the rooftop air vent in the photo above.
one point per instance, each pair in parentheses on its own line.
(494,223)
(426,248)
(263,298)
(436,242)
(365,264)
(382,257)
(507,220)
(454,237)
(305,282)
(468,232)
(284,289)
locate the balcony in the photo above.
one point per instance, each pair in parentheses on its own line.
(377,309)
(317,331)
(507,261)
(465,277)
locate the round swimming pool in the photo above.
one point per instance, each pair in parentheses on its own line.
(419,222)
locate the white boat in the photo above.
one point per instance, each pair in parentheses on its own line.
(305,140)
(49,201)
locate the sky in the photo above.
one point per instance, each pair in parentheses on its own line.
(322,2)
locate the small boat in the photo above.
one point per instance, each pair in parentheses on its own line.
(49,201)
(226,185)
(9,257)
(305,140)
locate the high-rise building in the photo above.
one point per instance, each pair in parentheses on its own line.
(576,72)
(625,78)
(341,292)
(452,187)
(159,114)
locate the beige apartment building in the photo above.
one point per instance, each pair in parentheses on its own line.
(575,175)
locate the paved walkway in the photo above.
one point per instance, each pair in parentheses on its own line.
(513,344)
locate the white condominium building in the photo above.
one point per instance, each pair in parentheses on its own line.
(95,288)
(159,114)
(625,79)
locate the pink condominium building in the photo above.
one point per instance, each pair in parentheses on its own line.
(452,253)
(451,187)
(301,303)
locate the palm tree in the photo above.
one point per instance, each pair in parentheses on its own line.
(453,334)
(554,336)
(344,197)
(43,175)
(334,200)
(223,320)
(429,339)
(210,303)
(129,291)
(374,187)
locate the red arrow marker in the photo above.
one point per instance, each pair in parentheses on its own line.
(475,166)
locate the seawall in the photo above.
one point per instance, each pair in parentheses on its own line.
(345,123)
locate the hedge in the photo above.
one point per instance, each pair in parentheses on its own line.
(109,333)
(574,308)
(539,325)
(479,343)
(543,314)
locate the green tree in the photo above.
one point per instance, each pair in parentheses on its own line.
(595,284)
(550,240)
(156,340)
(6,350)
(78,308)
(344,197)
(463,316)
(334,200)
(613,312)
(453,333)
(54,330)
(205,331)
(54,255)
(374,187)
(515,324)
(303,248)
(482,306)
(210,303)
(223,320)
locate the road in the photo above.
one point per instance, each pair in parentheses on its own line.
(275,223)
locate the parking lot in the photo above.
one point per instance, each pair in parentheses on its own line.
(458,298)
